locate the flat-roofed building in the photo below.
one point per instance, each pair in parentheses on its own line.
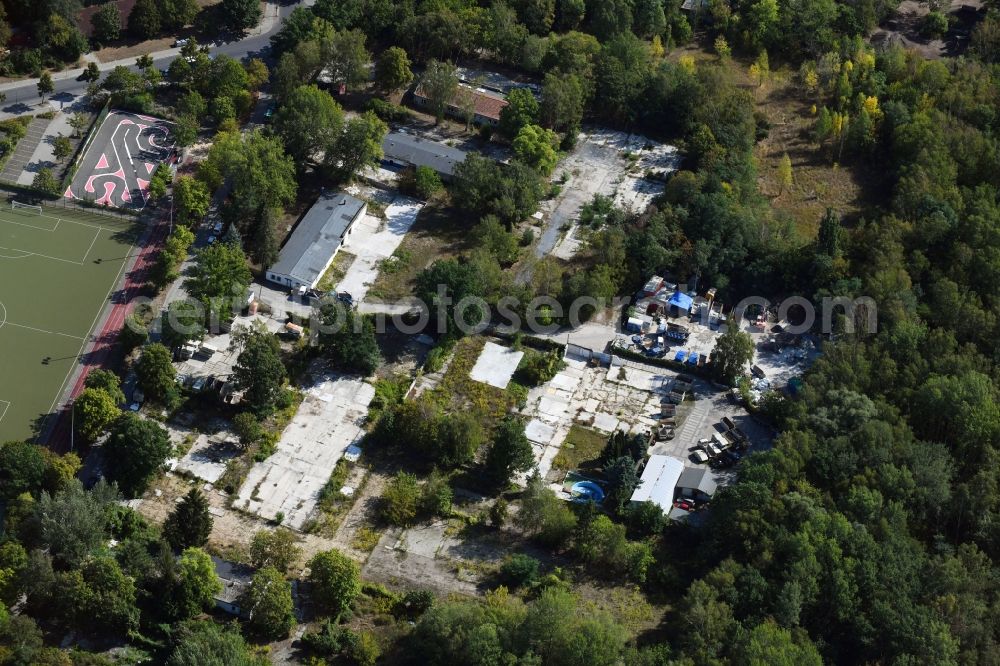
(315,241)
(407,150)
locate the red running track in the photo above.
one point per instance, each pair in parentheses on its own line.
(98,353)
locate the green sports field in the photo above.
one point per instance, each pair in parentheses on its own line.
(57,271)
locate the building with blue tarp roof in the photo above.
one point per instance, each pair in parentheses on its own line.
(681,301)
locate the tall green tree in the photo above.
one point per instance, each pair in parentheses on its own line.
(359,145)
(156,374)
(134,452)
(22,469)
(536,147)
(107,23)
(197,581)
(310,122)
(732,354)
(190,523)
(45,85)
(191,200)
(274,548)
(609,18)
(392,70)
(144,20)
(439,84)
(335,580)
(346,58)
(71,523)
(521,110)
(94,411)
(241,15)
(175,14)
(510,452)
(349,337)
(268,604)
(219,279)
(258,370)
(563,102)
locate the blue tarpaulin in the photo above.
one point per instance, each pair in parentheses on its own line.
(681,355)
(680,300)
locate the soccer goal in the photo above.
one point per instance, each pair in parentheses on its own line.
(17,205)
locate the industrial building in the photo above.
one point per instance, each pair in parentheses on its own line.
(317,238)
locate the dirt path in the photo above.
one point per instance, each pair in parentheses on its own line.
(360,515)
(231,530)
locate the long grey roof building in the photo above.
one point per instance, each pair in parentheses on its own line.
(409,150)
(315,241)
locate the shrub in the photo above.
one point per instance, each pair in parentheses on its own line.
(45,182)
(414,603)
(423,182)
(519,570)
(387,111)
(934,25)
(536,368)
(401,500)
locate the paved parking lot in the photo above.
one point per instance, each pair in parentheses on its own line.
(24,150)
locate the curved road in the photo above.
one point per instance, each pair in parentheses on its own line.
(22,96)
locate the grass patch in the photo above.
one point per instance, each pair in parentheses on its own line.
(365,539)
(337,270)
(818,182)
(459,391)
(582,446)
(434,235)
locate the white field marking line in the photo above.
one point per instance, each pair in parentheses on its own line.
(93,324)
(87,254)
(39,254)
(42,330)
(7,404)
(30,226)
(7,256)
(4,320)
(62,219)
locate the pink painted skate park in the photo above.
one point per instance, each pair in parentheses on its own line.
(119,164)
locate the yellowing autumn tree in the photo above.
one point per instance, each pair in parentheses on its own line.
(784,174)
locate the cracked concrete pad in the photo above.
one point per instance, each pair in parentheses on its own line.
(496,365)
(326,423)
(539,431)
(605,422)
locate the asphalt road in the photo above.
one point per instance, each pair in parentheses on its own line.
(68,90)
